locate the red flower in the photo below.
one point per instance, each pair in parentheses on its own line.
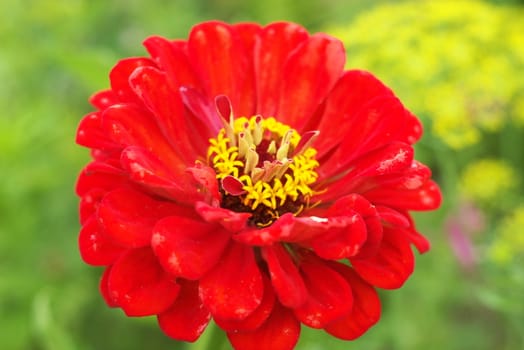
(243,175)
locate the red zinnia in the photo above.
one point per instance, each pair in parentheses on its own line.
(243,175)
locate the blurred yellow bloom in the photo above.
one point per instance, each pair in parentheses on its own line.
(487,180)
(457,63)
(509,242)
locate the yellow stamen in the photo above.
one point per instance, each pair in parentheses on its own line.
(261,157)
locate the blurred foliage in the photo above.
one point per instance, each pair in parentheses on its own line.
(54,54)
(453,62)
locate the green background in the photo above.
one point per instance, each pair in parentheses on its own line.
(53,56)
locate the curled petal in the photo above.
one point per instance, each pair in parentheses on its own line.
(91,134)
(119,77)
(279,332)
(230,220)
(103,99)
(187,318)
(285,277)
(139,285)
(186,247)
(373,226)
(202,108)
(392,216)
(96,248)
(392,158)
(366,306)
(280,230)
(421,243)
(342,242)
(172,58)
(257,317)
(234,288)
(411,178)
(391,266)
(104,288)
(329,294)
(427,197)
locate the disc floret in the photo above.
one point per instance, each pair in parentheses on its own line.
(264,167)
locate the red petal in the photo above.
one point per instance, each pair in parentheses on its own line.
(285,277)
(280,230)
(248,33)
(230,220)
(205,177)
(188,248)
(380,122)
(365,311)
(420,242)
(218,54)
(391,266)
(151,85)
(202,109)
(344,239)
(276,42)
(234,288)
(172,59)
(392,216)
(130,126)
(138,284)
(146,169)
(96,248)
(309,74)
(119,77)
(103,177)
(427,197)
(187,318)
(104,289)
(368,212)
(128,216)
(391,158)
(329,294)
(411,178)
(91,134)
(279,332)
(89,204)
(257,317)
(353,90)
(103,99)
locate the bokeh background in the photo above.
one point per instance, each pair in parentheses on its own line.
(459,65)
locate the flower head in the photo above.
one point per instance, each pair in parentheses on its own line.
(243,176)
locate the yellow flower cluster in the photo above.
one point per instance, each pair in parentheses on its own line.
(458,63)
(509,242)
(486,180)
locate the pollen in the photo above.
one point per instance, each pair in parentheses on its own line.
(264,167)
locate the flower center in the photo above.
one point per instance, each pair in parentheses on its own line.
(264,167)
